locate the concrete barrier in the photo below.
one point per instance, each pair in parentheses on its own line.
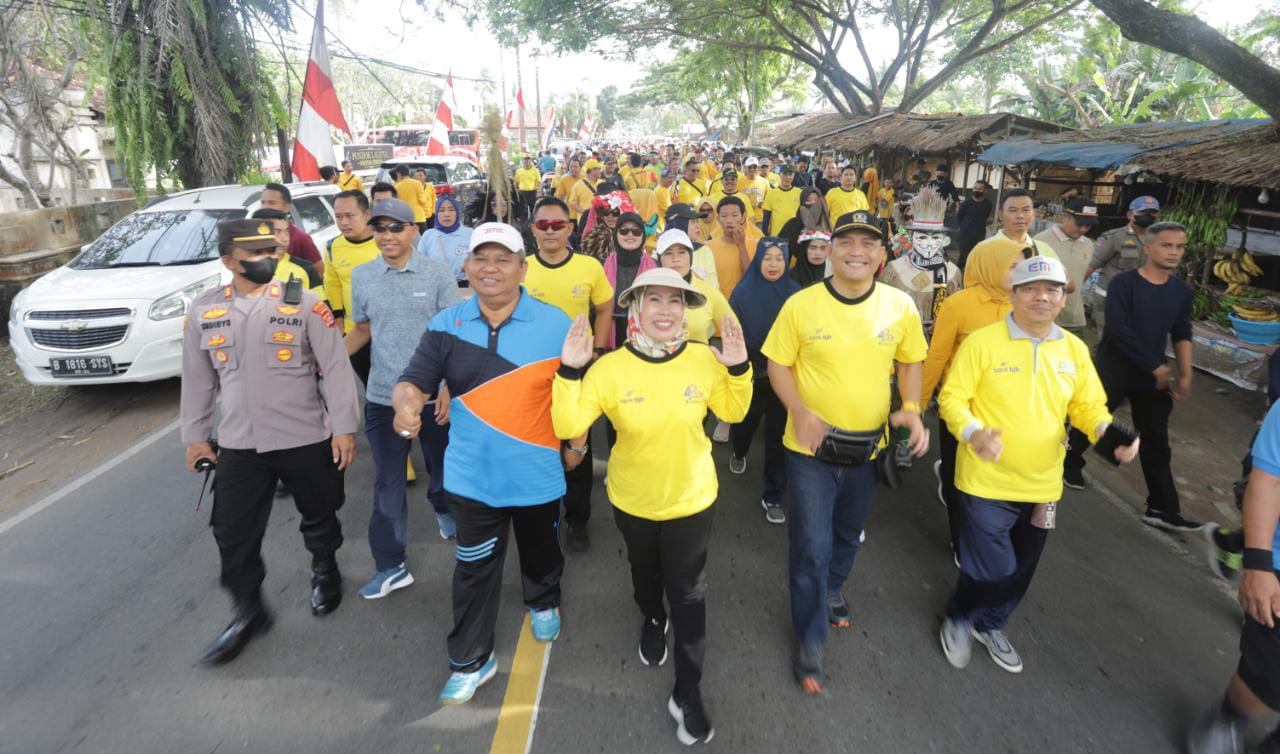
(33,242)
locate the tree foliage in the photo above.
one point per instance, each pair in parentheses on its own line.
(184,86)
(607,106)
(932,40)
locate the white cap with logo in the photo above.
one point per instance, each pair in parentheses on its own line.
(672,237)
(1039,268)
(502,234)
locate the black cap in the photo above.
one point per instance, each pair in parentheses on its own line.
(1085,212)
(682,210)
(729,173)
(859,220)
(786,169)
(250,235)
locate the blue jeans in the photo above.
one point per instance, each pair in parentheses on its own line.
(390,452)
(829,507)
(999,551)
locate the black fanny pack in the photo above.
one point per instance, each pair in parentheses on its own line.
(848,448)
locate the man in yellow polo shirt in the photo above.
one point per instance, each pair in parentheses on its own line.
(1010,389)
(690,188)
(832,352)
(582,192)
(528,178)
(573,283)
(846,197)
(781,203)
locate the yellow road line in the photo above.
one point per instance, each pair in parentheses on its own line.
(519,713)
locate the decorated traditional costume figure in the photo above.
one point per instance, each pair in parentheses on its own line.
(923,271)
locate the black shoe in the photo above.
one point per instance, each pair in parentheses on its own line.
(692,724)
(251,619)
(1073,478)
(1169,521)
(653,642)
(326,586)
(576,538)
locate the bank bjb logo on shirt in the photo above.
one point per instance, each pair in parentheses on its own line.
(1066,367)
(819,334)
(1005,367)
(631,397)
(693,394)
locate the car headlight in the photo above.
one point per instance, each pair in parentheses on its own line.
(175,304)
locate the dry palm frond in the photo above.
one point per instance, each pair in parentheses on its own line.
(495,160)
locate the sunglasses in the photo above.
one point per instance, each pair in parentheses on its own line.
(630,231)
(389,227)
(555,225)
(705,213)
(608,212)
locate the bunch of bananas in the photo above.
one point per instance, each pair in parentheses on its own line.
(1254,314)
(1236,271)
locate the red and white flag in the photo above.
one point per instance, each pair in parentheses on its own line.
(584,133)
(313,146)
(443,124)
(523,117)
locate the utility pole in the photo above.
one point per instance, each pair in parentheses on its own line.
(537,93)
(520,98)
(502,80)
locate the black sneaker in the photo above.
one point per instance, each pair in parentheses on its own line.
(692,724)
(1073,478)
(1224,555)
(1169,521)
(653,642)
(576,538)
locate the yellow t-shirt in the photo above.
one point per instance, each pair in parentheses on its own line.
(350,182)
(774,180)
(997,380)
(758,189)
(340,259)
(884,203)
(563,186)
(580,196)
(729,269)
(661,467)
(689,193)
(706,172)
(842,353)
(663,195)
(704,321)
(573,286)
(527,179)
(782,204)
(841,202)
(420,198)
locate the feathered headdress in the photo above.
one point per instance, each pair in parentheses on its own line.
(928,211)
(614,200)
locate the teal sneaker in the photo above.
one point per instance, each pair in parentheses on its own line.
(546,624)
(462,686)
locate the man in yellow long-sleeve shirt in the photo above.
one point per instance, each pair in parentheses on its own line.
(1009,389)
(352,248)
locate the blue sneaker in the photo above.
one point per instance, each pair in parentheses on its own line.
(546,624)
(462,686)
(448,527)
(386,582)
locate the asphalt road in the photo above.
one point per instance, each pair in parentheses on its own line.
(111,593)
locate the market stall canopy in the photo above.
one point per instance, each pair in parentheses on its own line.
(915,133)
(1240,152)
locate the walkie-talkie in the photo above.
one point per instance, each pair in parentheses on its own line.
(293,291)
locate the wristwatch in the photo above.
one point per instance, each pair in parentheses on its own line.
(580,451)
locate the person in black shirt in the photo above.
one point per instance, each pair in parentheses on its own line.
(1145,308)
(942,182)
(973,216)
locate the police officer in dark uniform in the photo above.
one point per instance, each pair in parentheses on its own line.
(260,342)
(1120,250)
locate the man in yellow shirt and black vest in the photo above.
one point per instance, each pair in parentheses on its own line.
(690,188)
(351,248)
(832,353)
(288,268)
(575,284)
(1010,389)
(583,191)
(348,180)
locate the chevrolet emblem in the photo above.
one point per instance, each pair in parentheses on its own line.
(75,325)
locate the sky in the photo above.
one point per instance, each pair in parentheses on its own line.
(400,31)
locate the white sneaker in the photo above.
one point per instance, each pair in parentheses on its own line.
(937,472)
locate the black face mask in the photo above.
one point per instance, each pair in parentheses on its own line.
(258,271)
(1144,220)
(979,194)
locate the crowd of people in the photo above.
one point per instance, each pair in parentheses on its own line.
(680,297)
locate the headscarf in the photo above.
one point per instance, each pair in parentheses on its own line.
(646,206)
(710,227)
(871,179)
(815,217)
(447,245)
(622,267)
(655,349)
(805,272)
(756,300)
(988,265)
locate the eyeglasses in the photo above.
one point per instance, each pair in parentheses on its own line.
(389,227)
(553,225)
(630,231)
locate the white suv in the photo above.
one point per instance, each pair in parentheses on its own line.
(114,313)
